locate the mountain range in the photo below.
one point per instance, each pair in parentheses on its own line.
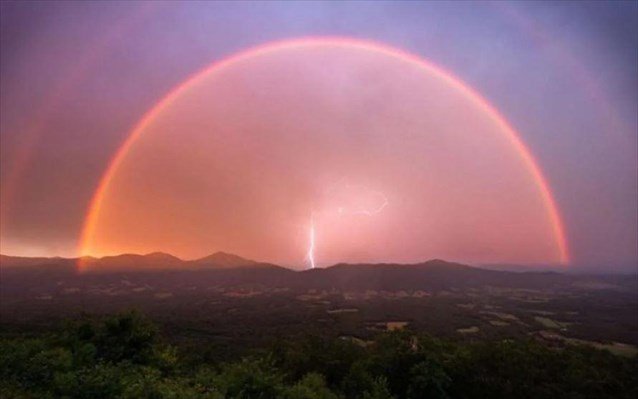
(227,269)
(133,262)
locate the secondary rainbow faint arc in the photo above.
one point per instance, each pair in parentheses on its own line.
(355,44)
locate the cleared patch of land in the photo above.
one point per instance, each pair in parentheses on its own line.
(550,323)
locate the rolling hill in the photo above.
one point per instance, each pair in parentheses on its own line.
(224,269)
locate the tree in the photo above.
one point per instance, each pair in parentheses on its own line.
(251,379)
(127,336)
(311,386)
(428,380)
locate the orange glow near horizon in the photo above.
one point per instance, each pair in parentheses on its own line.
(241,155)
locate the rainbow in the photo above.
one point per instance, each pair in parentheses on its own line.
(25,153)
(273,47)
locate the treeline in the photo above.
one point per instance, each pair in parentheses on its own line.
(124,356)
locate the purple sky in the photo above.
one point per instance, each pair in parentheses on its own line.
(75,77)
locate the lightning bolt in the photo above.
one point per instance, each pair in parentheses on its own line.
(310,254)
(311,243)
(367,212)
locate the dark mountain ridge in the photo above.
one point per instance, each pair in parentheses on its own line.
(155,261)
(224,269)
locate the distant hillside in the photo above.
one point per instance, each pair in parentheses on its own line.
(155,260)
(222,260)
(21,261)
(224,269)
(133,262)
(39,263)
(433,274)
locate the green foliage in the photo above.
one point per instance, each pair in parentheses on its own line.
(311,386)
(99,381)
(358,381)
(378,390)
(330,357)
(251,379)
(123,357)
(531,370)
(127,336)
(428,379)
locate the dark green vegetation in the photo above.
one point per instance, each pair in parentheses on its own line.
(228,327)
(123,356)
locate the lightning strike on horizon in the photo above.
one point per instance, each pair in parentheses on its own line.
(311,245)
(310,254)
